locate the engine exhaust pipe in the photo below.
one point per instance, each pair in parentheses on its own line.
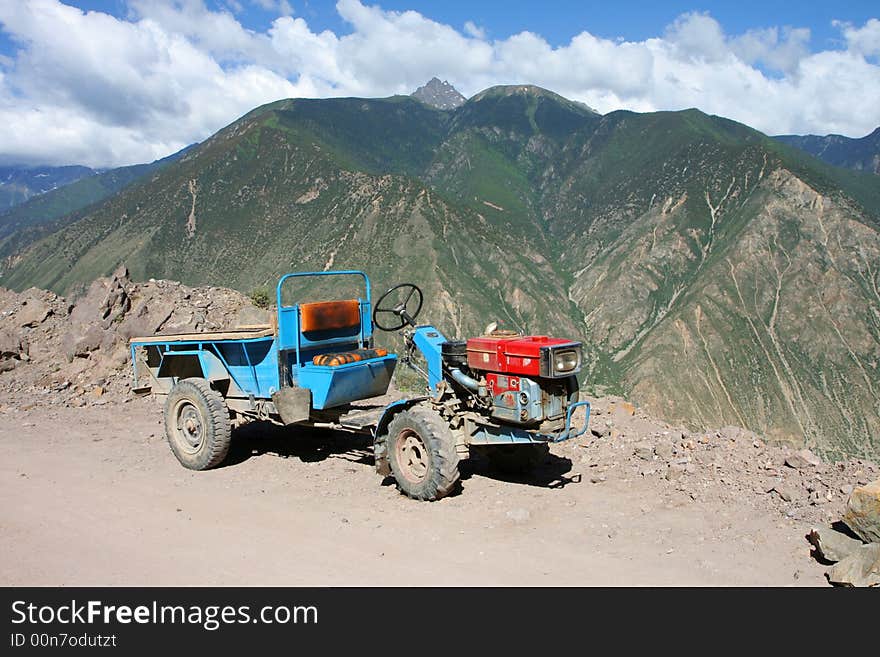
(467,381)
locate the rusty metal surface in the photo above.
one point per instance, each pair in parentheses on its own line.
(329,315)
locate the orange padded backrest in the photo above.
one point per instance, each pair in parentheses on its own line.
(329,315)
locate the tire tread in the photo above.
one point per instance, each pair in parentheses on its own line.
(444,479)
(219,432)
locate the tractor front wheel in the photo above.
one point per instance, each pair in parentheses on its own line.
(197,424)
(421,454)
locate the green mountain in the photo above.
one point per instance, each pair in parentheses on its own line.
(716,275)
(862,154)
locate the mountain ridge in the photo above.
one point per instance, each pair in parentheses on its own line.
(861,154)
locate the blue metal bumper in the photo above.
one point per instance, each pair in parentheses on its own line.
(513,435)
(567,433)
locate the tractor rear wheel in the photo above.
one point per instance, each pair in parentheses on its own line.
(421,454)
(517,459)
(197,424)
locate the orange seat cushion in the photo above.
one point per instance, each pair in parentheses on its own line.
(329,315)
(332,360)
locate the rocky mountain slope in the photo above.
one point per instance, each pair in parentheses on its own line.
(717,276)
(861,154)
(440,95)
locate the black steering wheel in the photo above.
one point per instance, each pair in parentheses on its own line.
(400,309)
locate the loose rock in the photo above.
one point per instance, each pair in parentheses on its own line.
(644,451)
(675,471)
(664,449)
(802,459)
(783,491)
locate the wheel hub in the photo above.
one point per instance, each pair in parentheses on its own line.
(190,426)
(412,456)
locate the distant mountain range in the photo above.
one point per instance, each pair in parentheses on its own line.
(860,154)
(64,199)
(18,184)
(716,275)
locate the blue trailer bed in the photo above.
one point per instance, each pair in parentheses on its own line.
(317,356)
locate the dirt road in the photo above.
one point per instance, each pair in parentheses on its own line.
(93,496)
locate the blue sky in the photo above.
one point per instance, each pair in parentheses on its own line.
(108,82)
(559,20)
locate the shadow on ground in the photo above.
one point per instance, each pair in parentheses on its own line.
(309,445)
(312,445)
(552,473)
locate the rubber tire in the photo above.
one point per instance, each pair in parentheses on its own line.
(442,476)
(214,417)
(517,459)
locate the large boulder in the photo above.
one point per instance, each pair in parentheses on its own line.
(146,318)
(96,316)
(81,342)
(106,301)
(832,545)
(33,311)
(861,568)
(863,512)
(115,304)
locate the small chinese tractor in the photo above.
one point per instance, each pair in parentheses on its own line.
(504,394)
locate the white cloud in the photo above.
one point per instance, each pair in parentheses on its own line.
(767,47)
(864,40)
(474,30)
(216,33)
(91,88)
(281,7)
(697,37)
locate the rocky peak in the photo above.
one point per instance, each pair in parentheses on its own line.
(441,95)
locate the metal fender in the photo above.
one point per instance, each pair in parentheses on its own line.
(197,363)
(380,449)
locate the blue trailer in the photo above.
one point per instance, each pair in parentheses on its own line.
(316,365)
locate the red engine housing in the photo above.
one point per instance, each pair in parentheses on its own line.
(525,355)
